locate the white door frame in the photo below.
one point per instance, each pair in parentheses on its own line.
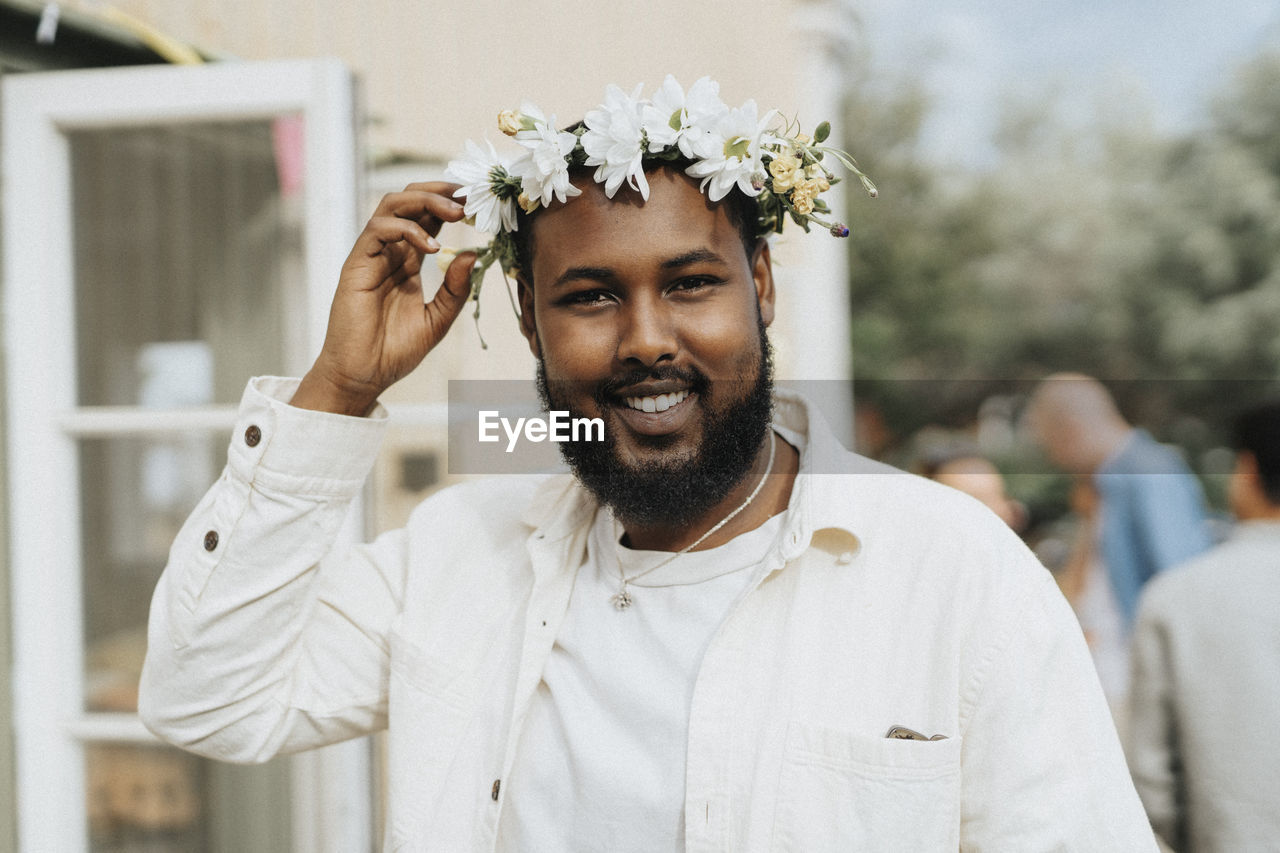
(333,808)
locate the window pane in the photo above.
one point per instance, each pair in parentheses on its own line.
(135,494)
(156,799)
(189,234)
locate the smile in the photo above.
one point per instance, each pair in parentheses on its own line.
(658,403)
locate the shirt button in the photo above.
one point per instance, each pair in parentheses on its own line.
(497,785)
(211,540)
(252,435)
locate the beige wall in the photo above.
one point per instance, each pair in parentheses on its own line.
(437,73)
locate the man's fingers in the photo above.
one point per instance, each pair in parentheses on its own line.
(449,300)
(420,204)
(440,187)
(384,231)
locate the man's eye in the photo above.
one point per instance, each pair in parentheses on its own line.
(693,282)
(587,297)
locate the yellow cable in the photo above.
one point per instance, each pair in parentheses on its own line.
(171,49)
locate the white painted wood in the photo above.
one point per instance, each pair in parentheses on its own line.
(111,421)
(117,728)
(419,414)
(815,280)
(44,423)
(44,566)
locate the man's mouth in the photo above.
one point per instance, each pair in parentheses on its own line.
(656,414)
(656,403)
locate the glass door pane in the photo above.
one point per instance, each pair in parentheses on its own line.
(157,799)
(187,247)
(135,494)
(187,235)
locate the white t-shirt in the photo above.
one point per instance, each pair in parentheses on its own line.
(600,765)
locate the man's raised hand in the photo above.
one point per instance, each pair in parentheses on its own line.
(379,329)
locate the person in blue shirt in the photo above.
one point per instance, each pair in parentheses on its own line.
(1152,514)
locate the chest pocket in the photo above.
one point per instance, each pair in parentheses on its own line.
(840,791)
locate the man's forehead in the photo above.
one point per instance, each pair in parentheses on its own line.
(676,222)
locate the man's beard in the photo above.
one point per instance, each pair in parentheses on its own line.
(678,489)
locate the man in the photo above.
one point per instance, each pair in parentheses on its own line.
(1206,651)
(1151,511)
(723,632)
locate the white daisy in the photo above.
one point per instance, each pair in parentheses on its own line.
(614,142)
(734,158)
(664,117)
(544,171)
(688,121)
(481,173)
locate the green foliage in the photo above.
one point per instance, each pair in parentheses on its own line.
(1113,250)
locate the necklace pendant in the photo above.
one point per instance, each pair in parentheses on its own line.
(621,600)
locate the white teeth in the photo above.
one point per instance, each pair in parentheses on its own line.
(658,403)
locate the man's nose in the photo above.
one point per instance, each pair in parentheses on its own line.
(648,335)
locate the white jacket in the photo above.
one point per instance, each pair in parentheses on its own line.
(888,601)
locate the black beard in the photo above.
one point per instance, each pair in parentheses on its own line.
(678,490)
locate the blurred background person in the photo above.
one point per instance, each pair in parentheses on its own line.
(1083,580)
(1205,703)
(978,477)
(1151,512)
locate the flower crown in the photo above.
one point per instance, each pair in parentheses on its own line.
(729,148)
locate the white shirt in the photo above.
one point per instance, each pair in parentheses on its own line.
(1104,628)
(1205,699)
(887,600)
(600,763)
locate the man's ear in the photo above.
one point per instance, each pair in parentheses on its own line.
(762,274)
(528,323)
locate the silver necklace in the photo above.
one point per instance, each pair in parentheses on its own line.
(621,600)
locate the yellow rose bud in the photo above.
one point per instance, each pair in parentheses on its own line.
(509,122)
(528,205)
(817,185)
(784,168)
(802,138)
(802,199)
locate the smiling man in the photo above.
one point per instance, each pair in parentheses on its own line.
(721,632)
(654,319)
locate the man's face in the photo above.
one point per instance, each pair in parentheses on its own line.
(1056,438)
(651,316)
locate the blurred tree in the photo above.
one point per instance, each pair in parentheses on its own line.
(1111,249)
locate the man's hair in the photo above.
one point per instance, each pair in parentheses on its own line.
(743,212)
(1257,430)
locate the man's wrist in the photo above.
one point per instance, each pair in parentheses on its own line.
(319,393)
